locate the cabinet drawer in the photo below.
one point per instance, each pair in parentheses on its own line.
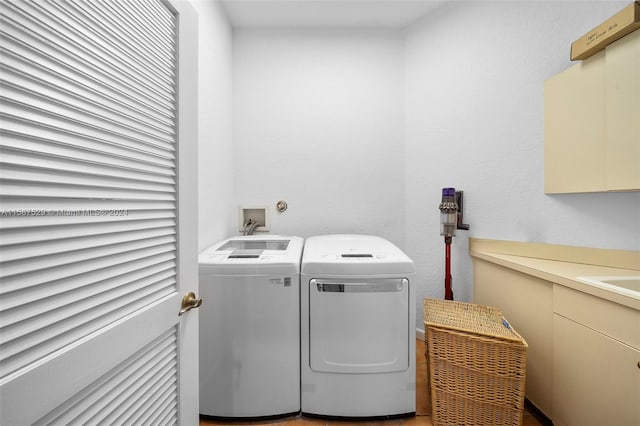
(619,322)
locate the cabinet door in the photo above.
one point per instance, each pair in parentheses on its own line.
(622,72)
(574,128)
(595,386)
(525,301)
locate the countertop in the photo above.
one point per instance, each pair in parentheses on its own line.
(562,264)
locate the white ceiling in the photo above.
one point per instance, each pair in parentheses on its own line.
(327,13)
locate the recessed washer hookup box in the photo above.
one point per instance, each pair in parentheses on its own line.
(619,25)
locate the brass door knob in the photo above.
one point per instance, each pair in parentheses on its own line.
(189,301)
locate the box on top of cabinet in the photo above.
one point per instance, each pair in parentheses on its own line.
(622,23)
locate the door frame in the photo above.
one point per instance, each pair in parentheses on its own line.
(187,211)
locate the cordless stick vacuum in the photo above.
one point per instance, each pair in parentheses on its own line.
(448,223)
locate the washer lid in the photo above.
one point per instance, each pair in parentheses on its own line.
(354,255)
(254,244)
(253,254)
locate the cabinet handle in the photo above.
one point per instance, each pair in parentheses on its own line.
(638,364)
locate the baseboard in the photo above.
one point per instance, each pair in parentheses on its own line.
(420,334)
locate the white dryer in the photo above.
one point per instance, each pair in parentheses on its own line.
(357,328)
(250,327)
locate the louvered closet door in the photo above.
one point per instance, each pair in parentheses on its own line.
(90,290)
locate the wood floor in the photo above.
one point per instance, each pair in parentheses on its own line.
(423,408)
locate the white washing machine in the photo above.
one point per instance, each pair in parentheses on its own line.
(250,327)
(357,328)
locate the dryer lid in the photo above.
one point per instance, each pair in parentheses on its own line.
(354,255)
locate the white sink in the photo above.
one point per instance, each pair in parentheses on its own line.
(628,285)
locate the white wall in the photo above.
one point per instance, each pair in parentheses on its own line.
(216,174)
(474,120)
(318,122)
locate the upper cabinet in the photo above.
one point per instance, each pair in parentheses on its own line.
(592,122)
(622,76)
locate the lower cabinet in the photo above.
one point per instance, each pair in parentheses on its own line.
(583,360)
(596,379)
(527,303)
(596,361)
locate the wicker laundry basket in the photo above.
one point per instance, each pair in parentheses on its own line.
(477,365)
